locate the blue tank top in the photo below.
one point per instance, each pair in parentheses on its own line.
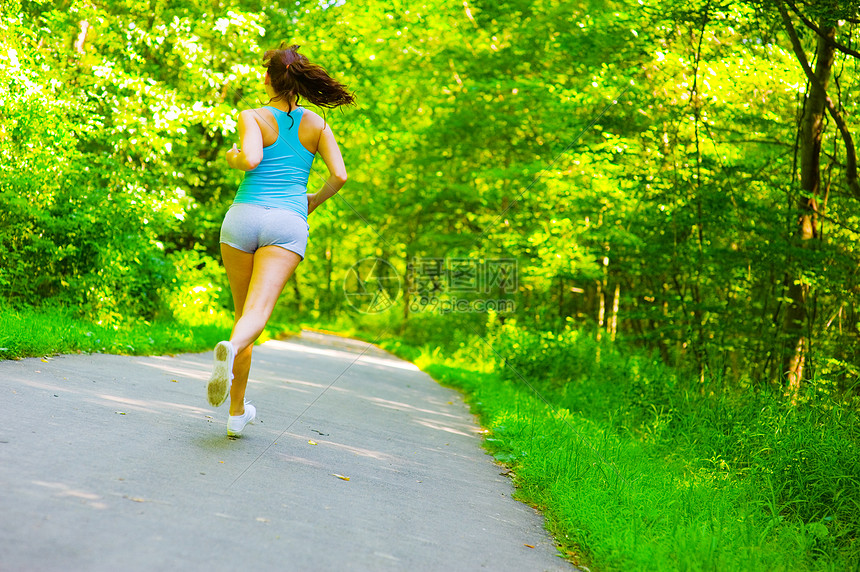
(281,178)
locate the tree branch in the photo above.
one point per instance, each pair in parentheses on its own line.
(850,151)
(811,25)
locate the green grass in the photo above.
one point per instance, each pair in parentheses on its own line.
(33,332)
(617,503)
(37,332)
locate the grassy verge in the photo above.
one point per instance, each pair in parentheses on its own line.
(38,332)
(618,503)
(635,471)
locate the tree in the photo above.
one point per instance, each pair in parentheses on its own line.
(811,200)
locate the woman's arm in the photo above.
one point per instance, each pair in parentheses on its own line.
(330,153)
(251,138)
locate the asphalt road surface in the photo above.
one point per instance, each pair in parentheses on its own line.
(357,461)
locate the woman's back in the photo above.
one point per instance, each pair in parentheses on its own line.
(281,178)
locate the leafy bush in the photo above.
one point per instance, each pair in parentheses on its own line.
(198,291)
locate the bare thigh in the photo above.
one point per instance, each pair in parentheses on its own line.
(256,282)
(273,266)
(240,267)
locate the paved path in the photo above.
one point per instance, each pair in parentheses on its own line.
(117,463)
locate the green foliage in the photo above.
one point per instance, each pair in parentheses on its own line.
(110,137)
(198,292)
(656,162)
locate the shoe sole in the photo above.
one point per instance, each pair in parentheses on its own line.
(231,433)
(219,384)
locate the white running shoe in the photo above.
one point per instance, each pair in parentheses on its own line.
(222,374)
(235,423)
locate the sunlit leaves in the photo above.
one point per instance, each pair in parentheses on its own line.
(477,133)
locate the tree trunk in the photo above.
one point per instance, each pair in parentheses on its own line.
(809,153)
(81,39)
(613,320)
(297,289)
(601,308)
(327,307)
(408,284)
(601,297)
(561,300)
(329,267)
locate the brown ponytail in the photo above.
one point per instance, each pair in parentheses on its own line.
(291,73)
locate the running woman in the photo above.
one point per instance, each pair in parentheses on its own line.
(265,231)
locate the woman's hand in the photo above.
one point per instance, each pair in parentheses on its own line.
(312,202)
(232,155)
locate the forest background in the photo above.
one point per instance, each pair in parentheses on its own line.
(656,202)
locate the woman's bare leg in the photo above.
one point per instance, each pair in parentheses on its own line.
(239,266)
(256,282)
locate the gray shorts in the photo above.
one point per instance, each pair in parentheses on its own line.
(249,227)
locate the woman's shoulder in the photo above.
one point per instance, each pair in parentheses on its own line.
(256,113)
(313,119)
